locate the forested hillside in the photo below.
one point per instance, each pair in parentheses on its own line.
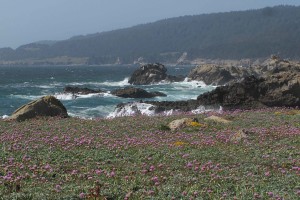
(232,35)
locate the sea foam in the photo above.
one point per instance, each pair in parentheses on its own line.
(132,109)
(5,116)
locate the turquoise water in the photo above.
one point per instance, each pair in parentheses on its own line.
(20,85)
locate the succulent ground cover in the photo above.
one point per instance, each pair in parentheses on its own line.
(138,158)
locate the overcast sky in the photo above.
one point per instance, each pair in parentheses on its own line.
(25,21)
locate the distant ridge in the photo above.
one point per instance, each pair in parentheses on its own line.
(232,35)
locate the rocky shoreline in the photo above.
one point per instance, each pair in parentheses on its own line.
(274,83)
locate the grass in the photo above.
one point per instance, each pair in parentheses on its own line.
(139,158)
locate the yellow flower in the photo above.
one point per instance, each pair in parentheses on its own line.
(196,124)
(180,143)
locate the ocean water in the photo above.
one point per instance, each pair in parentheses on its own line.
(20,85)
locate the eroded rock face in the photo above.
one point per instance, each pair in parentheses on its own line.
(151,74)
(78,90)
(278,89)
(45,106)
(218,75)
(131,92)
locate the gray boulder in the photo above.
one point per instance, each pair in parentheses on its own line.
(45,106)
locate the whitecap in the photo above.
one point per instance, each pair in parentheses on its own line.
(124,82)
(132,109)
(70,96)
(90,113)
(203,109)
(62,96)
(29,97)
(5,116)
(45,86)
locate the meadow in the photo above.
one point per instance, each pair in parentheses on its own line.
(138,158)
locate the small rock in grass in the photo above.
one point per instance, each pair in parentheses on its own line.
(217,119)
(180,123)
(238,136)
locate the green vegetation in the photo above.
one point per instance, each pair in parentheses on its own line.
(138,158)
(232,35)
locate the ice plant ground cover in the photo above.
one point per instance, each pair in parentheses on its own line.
(133,158)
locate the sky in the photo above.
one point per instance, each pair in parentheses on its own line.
(26,21)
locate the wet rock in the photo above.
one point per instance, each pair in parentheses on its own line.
(131,92)
(45,106)
(78,90)
(150,74)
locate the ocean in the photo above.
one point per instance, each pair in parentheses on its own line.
(20,85)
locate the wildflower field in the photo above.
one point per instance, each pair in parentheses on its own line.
(138,158)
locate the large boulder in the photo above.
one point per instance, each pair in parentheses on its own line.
(78,90)
(218,75)
(45,106)
(131,92)
(151,74)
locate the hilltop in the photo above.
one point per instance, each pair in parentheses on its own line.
(232,35)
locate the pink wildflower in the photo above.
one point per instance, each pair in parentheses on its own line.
(270,194)
(189,165)
(81,195)
(267,173)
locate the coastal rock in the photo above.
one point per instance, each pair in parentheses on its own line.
(180,123)
(184,106)
(238,136)
(217,119)
(279,89)
(78,90)
(150,74)
(131,92)
(218,75)
(45,106)
(275,65)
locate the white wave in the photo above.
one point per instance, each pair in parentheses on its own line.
(90,113)
(124,82)
(70,96)
(62,96)
(45,86)
(203,109)
(5,116)
(192,84)
(132,109)
(29,97)
(116,83)
(168,112)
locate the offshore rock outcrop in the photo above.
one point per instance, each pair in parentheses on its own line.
(151,74)
(45,106)
(131,92)
(274,83)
